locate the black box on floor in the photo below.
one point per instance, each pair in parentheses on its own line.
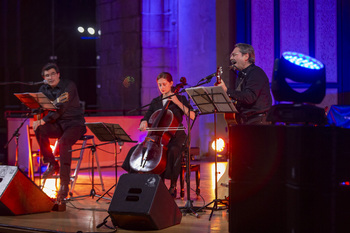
(289,179)
(142,202)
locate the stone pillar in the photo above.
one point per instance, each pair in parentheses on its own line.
(119,52)
(197,56)
(159,44)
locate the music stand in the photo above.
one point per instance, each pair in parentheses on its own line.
(189,208)
(35,100)
(212,100)
(109,132)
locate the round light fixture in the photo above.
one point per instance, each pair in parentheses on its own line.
(303,60)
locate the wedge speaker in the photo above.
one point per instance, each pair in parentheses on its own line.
(19,195)
(142,202)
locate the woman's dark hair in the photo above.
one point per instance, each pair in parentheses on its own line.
(49,66)
(166,76)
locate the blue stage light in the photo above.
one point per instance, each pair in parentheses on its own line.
(298,69)
(300,82)
(303,60)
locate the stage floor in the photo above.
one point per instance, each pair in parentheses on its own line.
(84,214)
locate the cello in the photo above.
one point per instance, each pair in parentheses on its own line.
(150,156)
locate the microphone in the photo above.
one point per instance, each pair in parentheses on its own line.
(208,78)
(39,83)
(232,67)
(120,143)
(196,111)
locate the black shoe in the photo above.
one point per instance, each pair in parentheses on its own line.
(172,191)
(62,193)
(52,169)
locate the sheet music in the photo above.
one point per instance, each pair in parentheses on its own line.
(210,98)
(34,100)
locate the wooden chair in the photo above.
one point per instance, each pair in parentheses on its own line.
(194,168)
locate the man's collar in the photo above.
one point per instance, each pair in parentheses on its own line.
(246,69)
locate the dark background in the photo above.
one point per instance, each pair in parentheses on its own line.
(34,33)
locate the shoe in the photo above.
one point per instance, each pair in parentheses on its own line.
(52,169)
(172,191)
(62,193)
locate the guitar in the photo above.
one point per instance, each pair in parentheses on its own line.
(61,99)
(229,117)
(64,97)
(218,74)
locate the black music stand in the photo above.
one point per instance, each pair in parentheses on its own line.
(212,100)
(33,101)
(113,133)
(36,100)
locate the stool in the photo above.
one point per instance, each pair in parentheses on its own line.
(193,168)
(74,177)
(83,142)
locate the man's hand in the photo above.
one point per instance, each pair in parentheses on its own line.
(223,85)
(36,124)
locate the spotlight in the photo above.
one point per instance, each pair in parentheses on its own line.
(91,30)
(305,73)
(221,148)
(301,69)
(80,29)
(220,143)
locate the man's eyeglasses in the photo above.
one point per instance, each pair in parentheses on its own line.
(48,75)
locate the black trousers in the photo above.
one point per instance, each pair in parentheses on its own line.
(67,138)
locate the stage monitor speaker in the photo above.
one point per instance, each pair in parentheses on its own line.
(19,195)
(142,202)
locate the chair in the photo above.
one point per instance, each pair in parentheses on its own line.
(193,168)
(83,141)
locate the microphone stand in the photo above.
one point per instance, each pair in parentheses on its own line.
(135,109)
(23,83)
(16,135)
(189,208)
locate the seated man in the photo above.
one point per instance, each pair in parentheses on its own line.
(67,124)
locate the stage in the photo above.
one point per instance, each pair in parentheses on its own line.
(84,214)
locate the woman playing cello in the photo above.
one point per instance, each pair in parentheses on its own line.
(179,106)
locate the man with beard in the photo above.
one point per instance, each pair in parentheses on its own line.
(251,93)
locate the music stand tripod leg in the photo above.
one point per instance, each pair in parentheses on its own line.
(116,175)
(92,190)
(189,208)
(107,192)
(216,200)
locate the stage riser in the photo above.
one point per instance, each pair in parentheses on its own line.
(287,179)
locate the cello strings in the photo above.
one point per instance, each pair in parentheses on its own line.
(165,128)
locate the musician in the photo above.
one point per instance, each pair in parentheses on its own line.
(180,107)
(252,90)
(67,124)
